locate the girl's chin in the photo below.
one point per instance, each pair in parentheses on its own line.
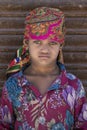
(44,64)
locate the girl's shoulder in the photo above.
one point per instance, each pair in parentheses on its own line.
(75,82)
(16,75)
(70,79)
(15,79)
(73,79)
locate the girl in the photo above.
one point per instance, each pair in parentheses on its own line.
(41,95)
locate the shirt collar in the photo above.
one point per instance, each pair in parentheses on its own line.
(61,80)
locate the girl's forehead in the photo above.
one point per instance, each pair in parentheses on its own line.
(43,40)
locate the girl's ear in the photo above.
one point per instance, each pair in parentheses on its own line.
(61,46)
(25,42)
(60,55)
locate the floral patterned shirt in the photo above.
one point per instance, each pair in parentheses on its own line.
(63,107)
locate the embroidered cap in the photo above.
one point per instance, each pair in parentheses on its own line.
(43,23)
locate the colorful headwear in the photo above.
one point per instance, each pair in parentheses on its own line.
(44,22)
(41,23)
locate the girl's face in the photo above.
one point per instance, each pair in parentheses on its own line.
(43,52)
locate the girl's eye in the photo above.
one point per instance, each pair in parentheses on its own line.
(37,42)
(53,43)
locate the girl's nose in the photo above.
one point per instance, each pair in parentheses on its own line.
(45,48)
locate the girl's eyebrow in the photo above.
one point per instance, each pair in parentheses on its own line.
(36,40)
(53,41)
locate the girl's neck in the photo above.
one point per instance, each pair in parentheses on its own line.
(38,70)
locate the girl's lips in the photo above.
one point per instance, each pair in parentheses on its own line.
(44,56)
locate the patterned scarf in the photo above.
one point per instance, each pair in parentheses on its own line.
(41,23)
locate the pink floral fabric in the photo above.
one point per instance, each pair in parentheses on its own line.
(63,107)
